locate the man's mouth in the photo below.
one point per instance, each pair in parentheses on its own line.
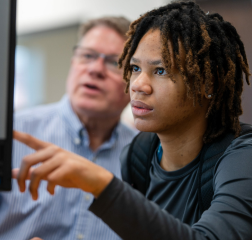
(91,89)
(91,86)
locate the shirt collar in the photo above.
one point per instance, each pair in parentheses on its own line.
(77,128)
(70,116)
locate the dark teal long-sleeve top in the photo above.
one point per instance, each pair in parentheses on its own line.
(170,209)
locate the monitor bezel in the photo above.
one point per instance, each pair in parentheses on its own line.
(6,163)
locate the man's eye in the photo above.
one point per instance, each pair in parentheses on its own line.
(113,62)
(160,71)
(135,68)
(88,56)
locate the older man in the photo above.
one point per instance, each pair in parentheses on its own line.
(86,121)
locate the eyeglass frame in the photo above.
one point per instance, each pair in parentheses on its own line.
(98,55)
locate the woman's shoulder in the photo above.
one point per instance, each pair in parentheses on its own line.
(236,162)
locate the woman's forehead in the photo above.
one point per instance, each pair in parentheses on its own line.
(150,46)
(150,49)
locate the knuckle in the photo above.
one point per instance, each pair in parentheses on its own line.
(26,160)
(35,173)
(70,164)
(62,155)
(54,148)
(50,180)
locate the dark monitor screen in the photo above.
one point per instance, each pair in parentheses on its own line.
(7,58)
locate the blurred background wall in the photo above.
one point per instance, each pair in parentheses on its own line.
(47,31)
(239,13)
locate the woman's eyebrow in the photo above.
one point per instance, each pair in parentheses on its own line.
(155,62)
(150,62)
(135,60)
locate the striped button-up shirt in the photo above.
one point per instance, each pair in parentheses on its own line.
(64,215)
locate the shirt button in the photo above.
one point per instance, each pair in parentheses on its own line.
(80,236)
(77,141)
(87,197)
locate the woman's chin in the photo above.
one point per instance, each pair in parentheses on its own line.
(144,125)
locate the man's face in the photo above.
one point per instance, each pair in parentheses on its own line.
(95,88)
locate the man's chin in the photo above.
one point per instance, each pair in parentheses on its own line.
(92,111)
(89,105)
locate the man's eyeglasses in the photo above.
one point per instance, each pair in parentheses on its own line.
(86,55)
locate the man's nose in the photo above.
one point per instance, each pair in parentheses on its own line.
(142,84)
(97,67)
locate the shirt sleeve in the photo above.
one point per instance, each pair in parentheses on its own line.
(132,216)
(229,217)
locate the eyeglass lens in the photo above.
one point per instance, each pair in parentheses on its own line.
(86,56)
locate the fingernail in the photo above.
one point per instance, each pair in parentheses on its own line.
(34,196)
(22,188)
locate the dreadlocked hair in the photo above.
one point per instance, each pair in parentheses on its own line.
(215,56)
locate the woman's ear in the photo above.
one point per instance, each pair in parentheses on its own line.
(208,96)
(208,90)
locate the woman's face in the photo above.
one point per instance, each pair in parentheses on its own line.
(159,104)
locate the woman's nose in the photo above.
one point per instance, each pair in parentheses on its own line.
(141,84)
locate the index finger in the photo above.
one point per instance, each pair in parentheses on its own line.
(29,140)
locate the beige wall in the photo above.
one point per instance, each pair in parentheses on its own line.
(35,15)
(56,46)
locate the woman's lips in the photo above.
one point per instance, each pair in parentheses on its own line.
(139,108)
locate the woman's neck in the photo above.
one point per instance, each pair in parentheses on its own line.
(181,146)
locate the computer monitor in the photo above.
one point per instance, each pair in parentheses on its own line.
(7,60)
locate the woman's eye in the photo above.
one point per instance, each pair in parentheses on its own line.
(160,71)
(135,68)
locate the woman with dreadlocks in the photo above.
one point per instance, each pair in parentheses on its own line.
(184,70)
